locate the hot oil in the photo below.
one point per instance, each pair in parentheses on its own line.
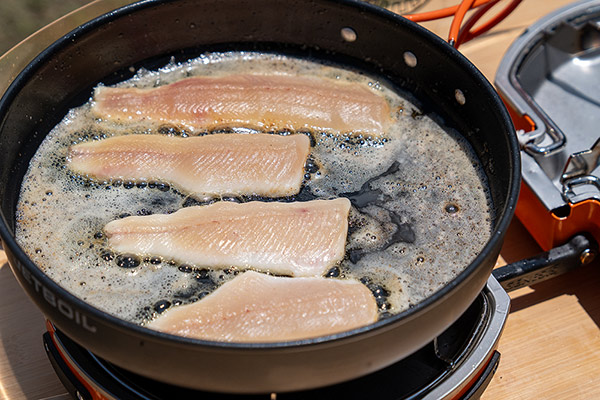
(420,208)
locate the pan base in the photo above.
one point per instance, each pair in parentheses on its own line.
(444,368)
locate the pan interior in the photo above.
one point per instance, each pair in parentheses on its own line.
(409,215)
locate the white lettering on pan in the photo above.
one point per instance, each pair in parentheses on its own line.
(87,326)
(26,274)
(36,284)
(49,296)
(63,307)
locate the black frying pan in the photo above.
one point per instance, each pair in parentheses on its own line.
(148,34)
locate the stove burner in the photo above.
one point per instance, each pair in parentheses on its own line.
(458,364)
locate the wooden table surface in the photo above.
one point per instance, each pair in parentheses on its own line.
(551,343)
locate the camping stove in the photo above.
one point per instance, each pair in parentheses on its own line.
(549,79)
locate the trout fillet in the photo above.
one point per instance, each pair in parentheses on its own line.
(266,102)
(298,239)
(205,166)
(255,307)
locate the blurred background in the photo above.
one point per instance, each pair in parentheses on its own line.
(20,18)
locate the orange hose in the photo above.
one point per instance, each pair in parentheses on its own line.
(464,30)
(464,6)
(492,22)
(441,13)
(461,34)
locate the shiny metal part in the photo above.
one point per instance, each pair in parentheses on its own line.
(556,135)
(500,304)
(551,74)
(590,184)
(544,127)
(582,162)
(587,256)
(578,174)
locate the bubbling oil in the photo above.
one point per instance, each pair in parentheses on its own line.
(421,210)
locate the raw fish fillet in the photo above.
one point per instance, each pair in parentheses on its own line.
(253,101)
(298,239)
(255,307)
(211,165)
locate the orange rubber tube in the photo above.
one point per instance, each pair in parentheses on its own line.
(464,34)
(462,10)
(441,13)
(461,33)
(492,22)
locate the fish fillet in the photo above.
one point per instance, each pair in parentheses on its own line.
(298,239)
(253,101)
(255,307)
(211,165)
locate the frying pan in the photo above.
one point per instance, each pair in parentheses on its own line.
(108,48)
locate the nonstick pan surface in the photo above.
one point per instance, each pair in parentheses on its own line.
(111,47)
